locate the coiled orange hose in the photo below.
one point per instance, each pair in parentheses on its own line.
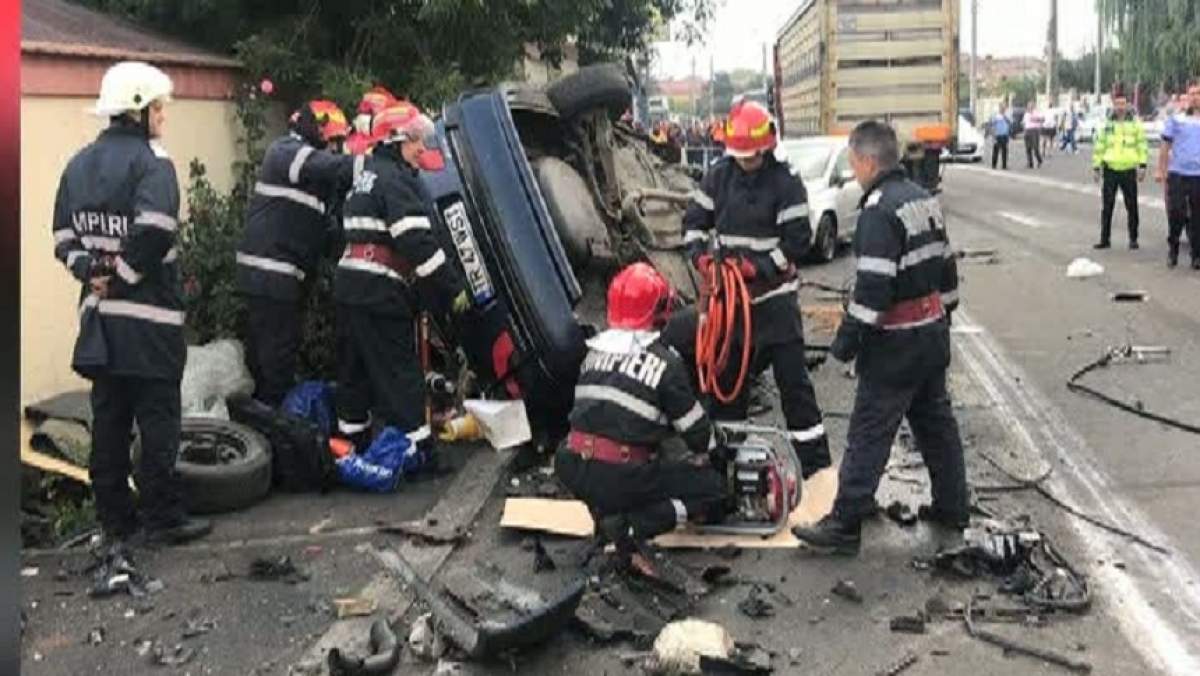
(728,296)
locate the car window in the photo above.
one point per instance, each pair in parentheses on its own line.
(843,162)
(808,158)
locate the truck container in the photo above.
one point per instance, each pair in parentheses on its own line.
(839,62)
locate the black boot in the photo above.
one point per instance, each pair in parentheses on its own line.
(1101,245)
(832,535)
(1133,245)
(1172,255)
(1196,263)
(179,532)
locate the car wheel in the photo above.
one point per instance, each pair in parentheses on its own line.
(572,208)
(826,240)
(223,466)
(602,85)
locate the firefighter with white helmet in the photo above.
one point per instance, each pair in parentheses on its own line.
(114,228)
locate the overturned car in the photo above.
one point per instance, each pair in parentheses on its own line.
(544,194)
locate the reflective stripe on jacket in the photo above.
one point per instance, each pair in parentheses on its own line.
(1120,145)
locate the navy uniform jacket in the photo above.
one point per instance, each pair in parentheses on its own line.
(763,217)
(387,207)
(116,213)
(287,221)
(640,397)
(903,254)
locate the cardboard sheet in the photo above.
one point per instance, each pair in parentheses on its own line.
(48,463)
(571,518)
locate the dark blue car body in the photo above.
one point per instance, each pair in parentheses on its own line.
(521,337)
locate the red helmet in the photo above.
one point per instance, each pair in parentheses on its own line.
(403,121)
(375,100)
(749,129)
(330,119)
(639,298)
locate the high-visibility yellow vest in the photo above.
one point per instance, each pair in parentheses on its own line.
(1120,145)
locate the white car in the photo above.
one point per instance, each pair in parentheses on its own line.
(1086,133)
(968,147)
(823,163)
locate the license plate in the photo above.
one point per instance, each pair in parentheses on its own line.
(468,252)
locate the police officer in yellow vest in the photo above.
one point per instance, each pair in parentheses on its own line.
(1119,157)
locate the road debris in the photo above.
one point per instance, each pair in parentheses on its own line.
(979,256)
(899,666)
(423,641)
(541,558)
(115,573)
(1012,646)
(29,571)
(96,636)
(1039,486)
(280,568)
(428,531)
(1082,268)
(755,606)
(847,590)
(1122,354)
(198,627)
(908,624)
(385,655)
(175,656)
(746,658)
(901,513)
(354,607)
(1130,296)
(681,644)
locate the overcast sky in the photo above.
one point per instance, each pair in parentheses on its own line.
(1006,28)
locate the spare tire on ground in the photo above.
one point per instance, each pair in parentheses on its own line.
(223,466)
(603,85)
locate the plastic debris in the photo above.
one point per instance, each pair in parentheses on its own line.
(680,645)
(847,590)
(1082,268)
(280,568)
(354,607)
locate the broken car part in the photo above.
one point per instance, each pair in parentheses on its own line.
(385,655)
(1012,646)
(1122,354)
(481,637)
(899,666)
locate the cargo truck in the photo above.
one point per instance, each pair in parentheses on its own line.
(839,62)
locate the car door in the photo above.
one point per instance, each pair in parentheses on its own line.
(849,194)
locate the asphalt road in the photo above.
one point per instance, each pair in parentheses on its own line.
(1047,326)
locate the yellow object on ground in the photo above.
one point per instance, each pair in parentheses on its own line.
(48,463)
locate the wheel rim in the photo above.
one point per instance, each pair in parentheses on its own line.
(211,448)
(829,242)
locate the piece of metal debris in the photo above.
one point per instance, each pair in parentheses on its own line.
(176,656)
(847,590)
(96,636)
(197,627)
(908,624)
(354,607)
(745,658)
(899,666)
(425,531)
(755,606)
(1076,666)
(1130,297)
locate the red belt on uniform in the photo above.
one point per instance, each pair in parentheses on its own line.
(595,447)
(915,311)
(379,253)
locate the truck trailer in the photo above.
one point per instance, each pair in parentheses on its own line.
(840,62)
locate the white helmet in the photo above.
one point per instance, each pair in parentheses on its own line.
(131,86)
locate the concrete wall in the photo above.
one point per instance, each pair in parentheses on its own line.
(52,130)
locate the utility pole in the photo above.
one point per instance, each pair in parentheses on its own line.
(1099,50)
(1052,55)
(974,59)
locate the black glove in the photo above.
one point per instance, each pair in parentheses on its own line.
(720,457)
(844,348)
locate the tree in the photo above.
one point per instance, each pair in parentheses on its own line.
(429,50)
(1159,39)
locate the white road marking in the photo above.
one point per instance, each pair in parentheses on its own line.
(1038,424)
(1022,219)
(1082,189)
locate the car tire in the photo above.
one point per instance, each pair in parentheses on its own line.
(825,242)
(603,85)
(572,209)
(240,480)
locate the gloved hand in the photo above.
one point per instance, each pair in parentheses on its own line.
(747,269)
(461,302)
(720,457)
(704,263)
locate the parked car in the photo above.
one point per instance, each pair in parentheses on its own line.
(1090,122)
(969,145)
(823,163)
(543,193)
(1153,127)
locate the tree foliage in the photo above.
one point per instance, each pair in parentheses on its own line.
(1159,39)
(426,49)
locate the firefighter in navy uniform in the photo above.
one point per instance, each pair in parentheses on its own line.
(632,394)
(115,229)
(758,212)
(391,269)
(287,231)
(897,326)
